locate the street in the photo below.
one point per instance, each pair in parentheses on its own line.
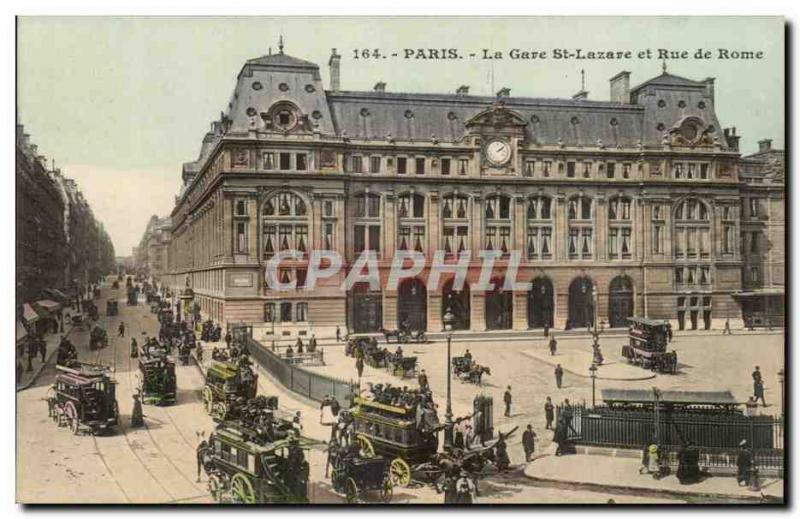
(156,463)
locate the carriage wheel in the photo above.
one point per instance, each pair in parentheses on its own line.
(242,490)
(422,338)
(218,411)
(386,490)
(366,448)
(215,487)
(405,339)
(71,415)
(400,472)
(208,399)
(351,491)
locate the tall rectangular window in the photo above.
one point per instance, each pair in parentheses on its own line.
(610,170)
(420,166)
(462,167)
(587,169)
(358,166)
(677,170)
(285,161)
(570,169)
(445,166)
(626,170)
(401,165)
(704,171)
(241,237)
(546,168)
(374,164)
(300,162)
(529,166)
(269,160)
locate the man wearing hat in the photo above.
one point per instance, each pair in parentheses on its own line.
(744,462)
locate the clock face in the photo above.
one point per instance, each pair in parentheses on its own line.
(498,152)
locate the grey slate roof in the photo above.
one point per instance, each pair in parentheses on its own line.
(667,79)
(282,60)
(549,120)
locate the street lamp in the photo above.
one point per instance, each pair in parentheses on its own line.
(781,375)
(594,306)
(448,320)
(593,374)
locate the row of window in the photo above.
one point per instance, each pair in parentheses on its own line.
(405,165)
(285,312)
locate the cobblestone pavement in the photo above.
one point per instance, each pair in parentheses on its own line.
(156,464)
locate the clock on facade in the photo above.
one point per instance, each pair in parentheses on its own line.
(498,152)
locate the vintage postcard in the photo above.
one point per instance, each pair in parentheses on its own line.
(407,260)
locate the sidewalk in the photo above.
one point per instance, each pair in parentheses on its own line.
(52,340)
(621,473)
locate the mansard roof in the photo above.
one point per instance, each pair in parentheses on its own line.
(669,80)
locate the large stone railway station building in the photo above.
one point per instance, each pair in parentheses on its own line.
(640,205)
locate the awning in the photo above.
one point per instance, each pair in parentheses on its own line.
(49,305)
(29,314)
(21,331)
(58,295)
(636,396)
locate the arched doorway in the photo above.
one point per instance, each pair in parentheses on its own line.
(540,303)
(498,307)
(366,309)
(620,301)
(581,312)
(459,304)
(412,305)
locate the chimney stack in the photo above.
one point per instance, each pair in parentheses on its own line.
(621,87)
(462,90)
(709,82)
(504,92)
(764,145)
(581,96)
(380,86)
(333,64)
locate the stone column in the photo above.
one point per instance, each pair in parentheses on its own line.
(476,225)
(560,235)
(518,223)
(389,225)
(433,225)
(252,230)
(227,228)
(601,228)
(519,303)
(477,310)
(316,227)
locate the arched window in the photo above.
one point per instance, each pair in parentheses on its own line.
(620,228)
(284,224)
(411,222)
(539,216)
(497,215)
(580,244)
(367,228)
(455,224)
(692,229)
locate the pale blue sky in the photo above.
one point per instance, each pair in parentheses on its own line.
(121,103)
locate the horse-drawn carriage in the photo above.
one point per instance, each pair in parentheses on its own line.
(225,383)
(400,365)
(90,309)
(648,346)
(408,435)
(354,475)
(404,336)
(112,307)
(83,397)
(156,379)
(98,338)
(467,370)
(244,467)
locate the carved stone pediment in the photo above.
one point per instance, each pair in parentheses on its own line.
(498,117)
(691,132)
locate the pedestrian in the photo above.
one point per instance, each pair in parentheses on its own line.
(502,460)
(750,324)
(296,422)
(546,329)
(300,346)
(744,464)
(727,329)
(756,374)
(553,345)
(669,332)
(549,413)
(458,436)
(228,339)
(202,449)
(423,381)
(312,344)
(559,372)
(465,489)
(507,400)
(468,356)
(338,334)
(43,350)
(528,442)
(137,416)
(758,390)
(289,352)
(360,366)
(121,330)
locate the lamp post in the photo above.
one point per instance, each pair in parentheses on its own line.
(594,306)
(781,379)
(593,374)
(448,320)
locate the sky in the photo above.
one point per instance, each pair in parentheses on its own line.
(121,103)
